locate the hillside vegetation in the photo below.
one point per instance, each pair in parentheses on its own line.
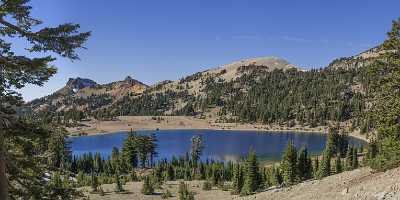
(36,161)
(264,90)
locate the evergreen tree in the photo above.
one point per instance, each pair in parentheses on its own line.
(60,154)
(278,177)
(118,183)
(355,159)
(372,151)
(289,165)
(338,164)
(349,158)
(94,182)
(330,146)
(129,150)
(196,148)
(304,165)
(80,178)
(383,80)
(251,174)
(170,173)
(325,167)
(16,71)
(115,160)
(316,166)
(237,179)
(98,163)
(60,187)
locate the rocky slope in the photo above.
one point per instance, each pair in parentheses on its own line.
(359,184)
(358,61)
(356,184)
(81,93)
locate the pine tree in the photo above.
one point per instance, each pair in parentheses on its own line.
(355,159)
(372,151)
(349,158)
(98,163)
(277,176)
(129,150)
(60,187)
(338,164)
(316,166)
(330,146)
(196,148)
(251,174)
(237,179)
(304,165)
(201,175)
(118,183)
(94,182)
(80,178)
(115,160)
(384,76)
(170,173)
(325,167)
(16,71)
(289,165)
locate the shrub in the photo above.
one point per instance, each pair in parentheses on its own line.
(166,194)
(147,188)
(207,186)
(184,193)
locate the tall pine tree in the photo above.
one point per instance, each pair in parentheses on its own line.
(16,71)
(289,165)
(251,174)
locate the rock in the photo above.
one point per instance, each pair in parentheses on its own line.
(345,191)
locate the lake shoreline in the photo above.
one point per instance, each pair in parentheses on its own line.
(146,123)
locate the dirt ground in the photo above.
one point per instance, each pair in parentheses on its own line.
(359,184)
(126,123)
(133,192)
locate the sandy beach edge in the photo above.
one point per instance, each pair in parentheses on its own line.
(146,123)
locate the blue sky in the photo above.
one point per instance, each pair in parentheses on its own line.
(157,40)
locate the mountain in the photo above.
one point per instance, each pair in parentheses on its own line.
(264,89)
(358,61)
(226,73)
(75,84)
(82,89)
(85,94)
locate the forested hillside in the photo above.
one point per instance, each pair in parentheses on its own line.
(246,91)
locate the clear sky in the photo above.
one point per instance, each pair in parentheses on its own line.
(167,39)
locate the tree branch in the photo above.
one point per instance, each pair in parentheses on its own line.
(16,28)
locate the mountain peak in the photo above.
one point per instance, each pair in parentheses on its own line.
(128,79)
(79,83)
(268,61)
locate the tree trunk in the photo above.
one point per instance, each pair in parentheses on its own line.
(3,177)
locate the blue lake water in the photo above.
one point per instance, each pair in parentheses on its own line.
(221,145)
